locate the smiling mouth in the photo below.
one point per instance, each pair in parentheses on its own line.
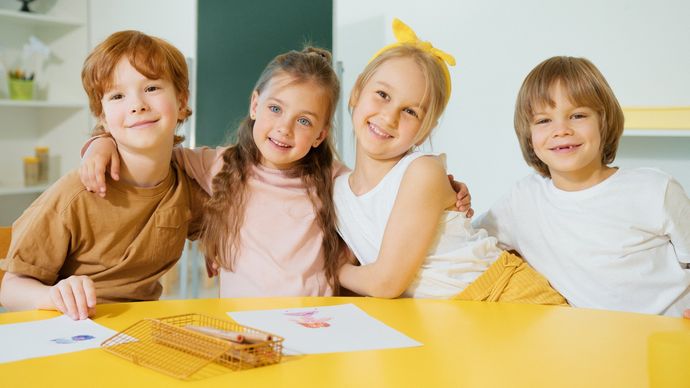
(568,147)
(142,123)
(279,144)
(373,128)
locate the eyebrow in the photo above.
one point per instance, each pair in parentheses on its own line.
(281,102)
(386,84)
(535,113)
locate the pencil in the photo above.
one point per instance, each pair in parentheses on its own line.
(218,333)
(257,337)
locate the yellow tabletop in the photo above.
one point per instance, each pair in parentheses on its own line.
(468,344)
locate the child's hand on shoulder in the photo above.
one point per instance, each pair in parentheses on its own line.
(74,297)
(686,314)
(464,199)
(101,153)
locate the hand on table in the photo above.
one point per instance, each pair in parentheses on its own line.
(74,297)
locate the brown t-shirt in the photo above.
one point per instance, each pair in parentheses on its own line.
(124,242)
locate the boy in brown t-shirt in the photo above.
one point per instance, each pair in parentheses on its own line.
(71,249)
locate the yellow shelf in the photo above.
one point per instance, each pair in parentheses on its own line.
(661,118)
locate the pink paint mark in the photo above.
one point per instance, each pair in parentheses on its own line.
(308,319)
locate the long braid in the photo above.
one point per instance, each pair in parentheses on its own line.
(318,177)
(229,199)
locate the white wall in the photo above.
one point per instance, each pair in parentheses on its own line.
(640,46)
(174,21)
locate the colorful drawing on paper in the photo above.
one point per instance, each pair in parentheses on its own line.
(324,329)
(73,339)
(309,319)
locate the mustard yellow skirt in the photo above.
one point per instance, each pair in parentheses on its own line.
(511,279)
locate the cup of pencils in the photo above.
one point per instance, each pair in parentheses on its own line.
(21,85)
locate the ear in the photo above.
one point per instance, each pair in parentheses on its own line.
(319,139)
(182,102)
(182,113)
(253,105)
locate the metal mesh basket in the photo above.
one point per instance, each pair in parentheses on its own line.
(171,346)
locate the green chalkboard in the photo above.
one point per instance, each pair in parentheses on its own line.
(236,39)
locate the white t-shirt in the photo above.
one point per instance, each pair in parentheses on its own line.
(619,245)
(457,257)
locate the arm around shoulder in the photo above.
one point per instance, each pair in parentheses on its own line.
(201,164)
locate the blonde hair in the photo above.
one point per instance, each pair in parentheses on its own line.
(151,56)
(436,95)
(224,212)
(585,86)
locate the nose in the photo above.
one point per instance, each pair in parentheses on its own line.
(391,115)
(138,105)
(561,128)
(284,127)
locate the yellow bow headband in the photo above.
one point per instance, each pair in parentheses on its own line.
(404,35)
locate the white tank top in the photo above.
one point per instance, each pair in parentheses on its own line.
(458,255)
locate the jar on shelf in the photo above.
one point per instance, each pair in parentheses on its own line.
(31,166)
(43,163)
(21,89)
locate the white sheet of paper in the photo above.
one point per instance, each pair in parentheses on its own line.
(20,341)
(325,329)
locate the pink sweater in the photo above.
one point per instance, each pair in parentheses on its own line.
(280,240)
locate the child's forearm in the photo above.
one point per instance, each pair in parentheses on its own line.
(89,141)
(368,280)
(24,293)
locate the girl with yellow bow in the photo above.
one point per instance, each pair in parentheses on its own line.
(396,208)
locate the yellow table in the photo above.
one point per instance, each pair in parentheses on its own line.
(466,344)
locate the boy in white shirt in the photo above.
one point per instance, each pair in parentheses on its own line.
(605,237)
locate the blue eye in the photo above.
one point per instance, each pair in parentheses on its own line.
(304,121)
(274,108)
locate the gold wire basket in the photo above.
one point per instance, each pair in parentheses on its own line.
(183,344)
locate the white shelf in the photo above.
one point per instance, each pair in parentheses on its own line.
(16,190)
(38,19)
(41,104)
(656,133)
